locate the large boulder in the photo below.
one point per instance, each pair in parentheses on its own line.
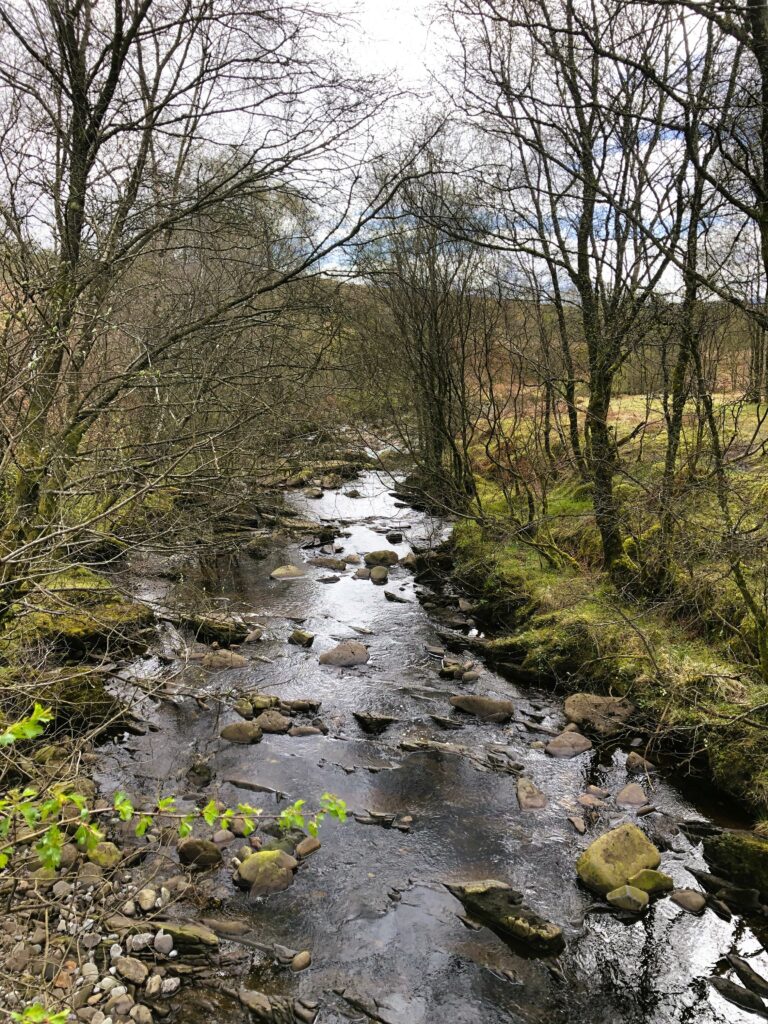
(346,654)
(384,557)
(489,709)
(265,872)
(615,857)
(739,855)
(496,905)
(602,716)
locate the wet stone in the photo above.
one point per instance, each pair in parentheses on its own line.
(690,900)
(637,764)
(241,732)
(373,724)
(216,660)
(748,976)
(287,572)
(272,721)
(487,709)
(529,796)
(632,795)
(605,717)
(381,558)
(568,744)
(500,908)
(739,996)
(346,654)
(307,846)
(379,575)
(301,638)
(628,897)
(301,961)
(200,853)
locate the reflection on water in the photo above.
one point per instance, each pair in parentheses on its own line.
(371,904)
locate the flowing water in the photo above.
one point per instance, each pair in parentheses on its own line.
(372,905)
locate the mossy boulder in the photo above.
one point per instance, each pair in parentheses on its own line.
(498,906)
(265,872)
(105,855)
(628,897)
(212,628)
(742,856)
(615,857)
(651,881)
(383,558)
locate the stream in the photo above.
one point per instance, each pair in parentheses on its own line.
(387,938)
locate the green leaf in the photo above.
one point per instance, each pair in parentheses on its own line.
(123,806)
(143,824)
(49,847)
(210,812)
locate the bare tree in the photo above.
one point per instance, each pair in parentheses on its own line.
(128,131)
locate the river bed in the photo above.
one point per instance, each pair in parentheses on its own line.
(387,938)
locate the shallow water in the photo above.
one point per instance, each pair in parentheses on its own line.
(372,905)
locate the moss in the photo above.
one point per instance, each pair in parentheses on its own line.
(740,855)
(575,631)
(72,613)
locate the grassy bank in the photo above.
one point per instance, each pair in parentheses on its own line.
(569,625)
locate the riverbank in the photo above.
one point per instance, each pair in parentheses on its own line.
(571,628)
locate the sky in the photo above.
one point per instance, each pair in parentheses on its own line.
(390,36)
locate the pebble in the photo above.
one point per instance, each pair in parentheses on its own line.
(170,985)
(146,899)
(141,1014)
(152,987)
(133,970)
(115,951)
(163,943)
